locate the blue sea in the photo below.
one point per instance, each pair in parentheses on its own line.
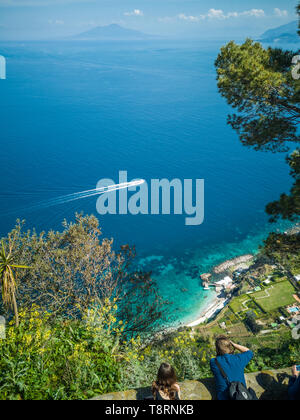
(73,113)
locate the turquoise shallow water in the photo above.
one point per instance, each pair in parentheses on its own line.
(179,277)
(73,113)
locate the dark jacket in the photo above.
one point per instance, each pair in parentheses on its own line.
(233,365)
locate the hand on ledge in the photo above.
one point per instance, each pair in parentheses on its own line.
(294,371)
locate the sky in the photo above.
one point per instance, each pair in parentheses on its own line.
(50,19)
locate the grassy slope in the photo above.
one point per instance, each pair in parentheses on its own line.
(281,294)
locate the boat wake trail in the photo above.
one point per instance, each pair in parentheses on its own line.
(76,196)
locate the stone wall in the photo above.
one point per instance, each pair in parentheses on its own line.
(268,385)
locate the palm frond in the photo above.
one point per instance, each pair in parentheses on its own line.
(3,249)
(20,266)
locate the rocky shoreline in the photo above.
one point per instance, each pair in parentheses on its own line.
(232,263)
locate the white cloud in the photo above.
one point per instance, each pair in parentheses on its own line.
(219,14)
(280,13)
(254,12)
(215,14)
(135,12)
(232,14)
(182,16)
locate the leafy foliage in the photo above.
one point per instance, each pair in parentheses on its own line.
(282,248)
(68,359)
(285,353)
(288,206)
(72,269)
(61,360)
(298,11)
(258,82)
(7,279)
(252,324)
(43,359)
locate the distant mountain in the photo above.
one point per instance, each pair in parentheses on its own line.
(112,32)
(284,33)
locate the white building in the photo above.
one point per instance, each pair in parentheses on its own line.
(227,281)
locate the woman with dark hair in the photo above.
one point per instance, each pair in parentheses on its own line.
(166,386)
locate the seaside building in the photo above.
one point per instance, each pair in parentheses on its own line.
(224,284)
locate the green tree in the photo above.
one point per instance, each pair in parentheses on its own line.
(252,324)
(75,269)
(8,280)
(258,83)
(298,11)
(288,206)
(283,250)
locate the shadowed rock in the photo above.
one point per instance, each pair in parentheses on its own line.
(268,385)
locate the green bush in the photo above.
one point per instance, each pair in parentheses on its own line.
(65,360)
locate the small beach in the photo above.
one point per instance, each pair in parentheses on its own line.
(217,305)
(219,301)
